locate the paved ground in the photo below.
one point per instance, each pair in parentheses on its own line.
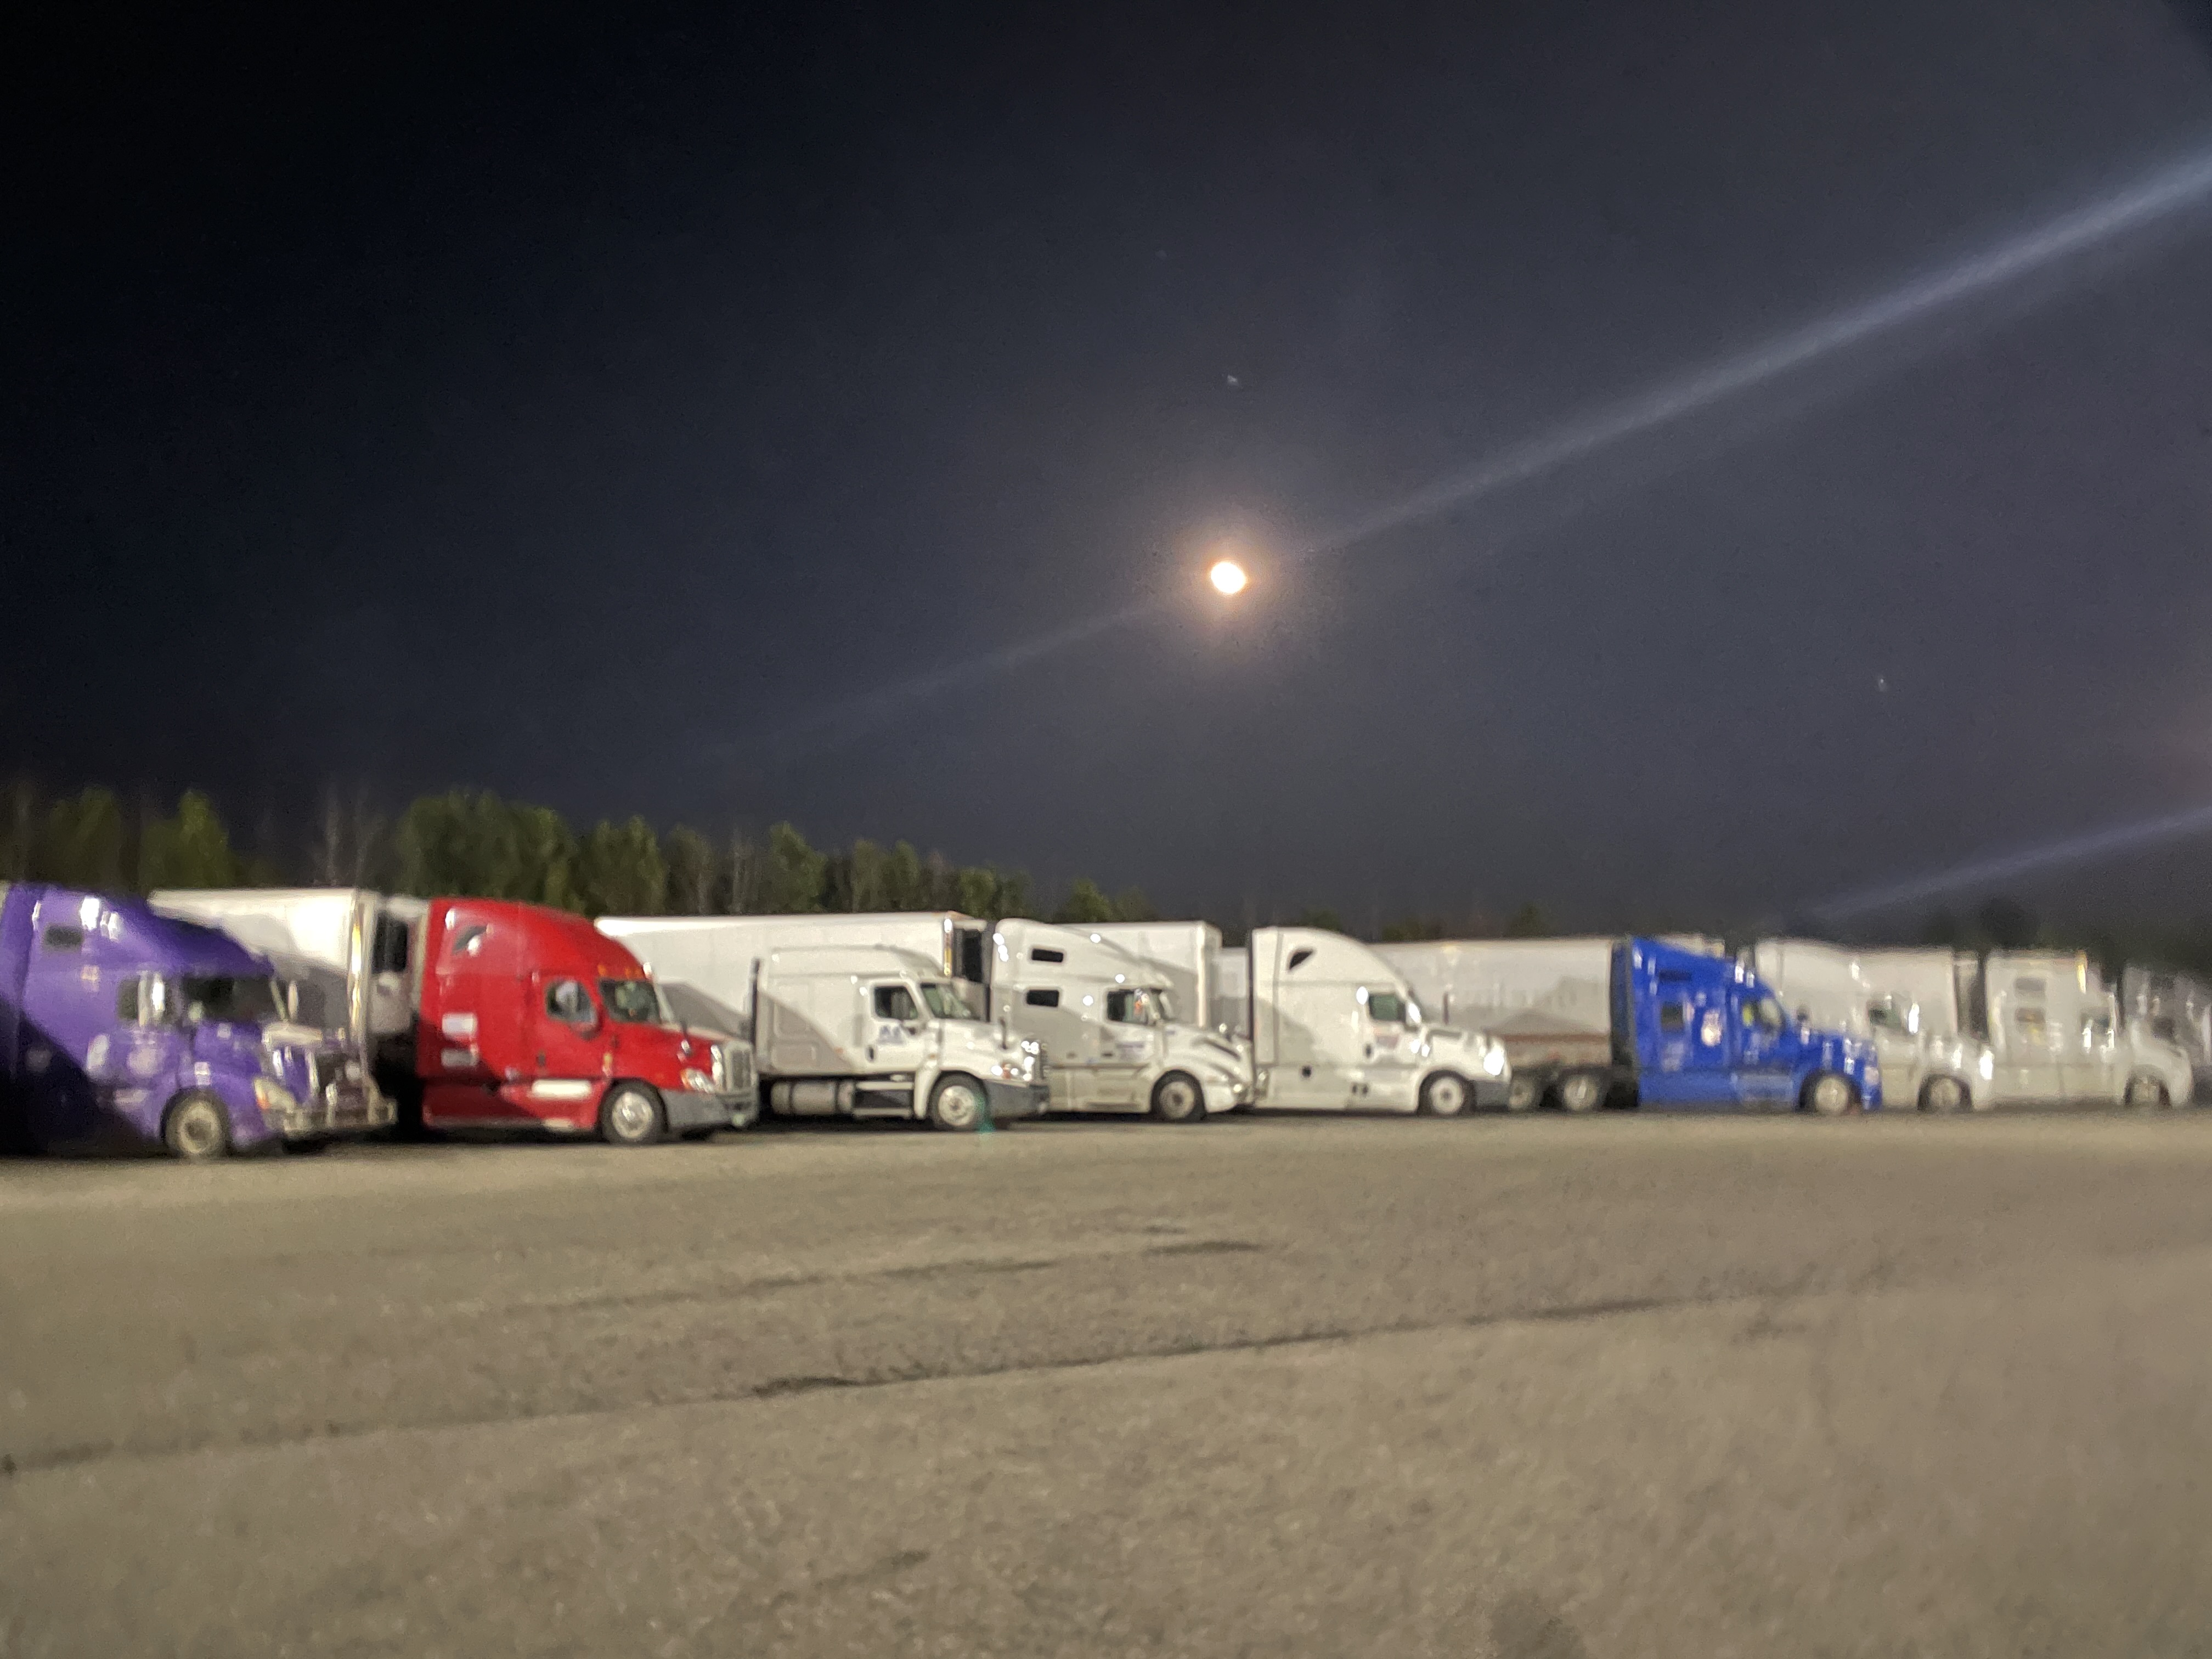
(1531,1389)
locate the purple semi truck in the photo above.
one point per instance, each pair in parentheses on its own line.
(120,1028)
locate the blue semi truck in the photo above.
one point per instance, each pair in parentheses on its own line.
(123,1029)
(1692,1028)
(1664,1022)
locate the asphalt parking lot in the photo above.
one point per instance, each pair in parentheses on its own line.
(1536,1388)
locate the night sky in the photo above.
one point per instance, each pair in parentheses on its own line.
(588,412)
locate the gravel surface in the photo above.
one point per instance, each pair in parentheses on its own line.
(1536,1388)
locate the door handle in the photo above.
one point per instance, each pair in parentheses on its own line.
(1369,1054)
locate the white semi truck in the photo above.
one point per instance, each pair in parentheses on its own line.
(1212,985)
(845,1021)
(1904,1002)
(2175,1008)
(1334,1027)
(2035,1026)
(1110,1023)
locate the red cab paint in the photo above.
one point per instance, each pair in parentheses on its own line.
(532,1018)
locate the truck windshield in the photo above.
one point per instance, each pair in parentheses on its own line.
(224,998)
(632,1001)
(945,1002)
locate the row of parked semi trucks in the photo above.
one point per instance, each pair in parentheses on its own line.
(208,1022)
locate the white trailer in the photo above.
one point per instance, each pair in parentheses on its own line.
(1548,1000)
(1904,1002)
(1106,1019)
(1335,1027)
(348,961)
(1190,953)
(842,1025)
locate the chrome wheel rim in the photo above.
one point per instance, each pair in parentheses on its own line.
(957,1107)
(631,1115)
(1178,1100)
(1447,1096)
(1579,1094)
(1832,1097)
(1944,1095)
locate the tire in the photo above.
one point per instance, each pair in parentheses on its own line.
(956,1103)
(1444,1094)
(1943,1094)
(2144,1093)
(1523,1094)
(1580,1091)
(1830,1094)
(196,1129)
(1177,1098)
(630,1116)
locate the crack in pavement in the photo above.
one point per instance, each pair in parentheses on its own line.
(14,1465)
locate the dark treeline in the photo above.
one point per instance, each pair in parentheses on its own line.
(474,843)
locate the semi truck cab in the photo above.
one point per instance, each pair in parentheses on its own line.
(531,1018)
(1698,1030)
(121,1027)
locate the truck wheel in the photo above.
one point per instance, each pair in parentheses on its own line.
(1829,1094)
(956,1103)
(1523,1093)
(196,1128)
(1177,1098)
(630,1116)
(1443,1094)
(1942,1094)
(2144,1092)
(1582,1091)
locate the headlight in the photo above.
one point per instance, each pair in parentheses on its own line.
(699,1083)
(1987,1066)
(1493,1060)
(1012,1071)
(719,1068)
(271,1096)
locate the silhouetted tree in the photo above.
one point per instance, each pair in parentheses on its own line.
(620,871)
(1085,903)
(1527,922)
(82,842)
(795,872)
(1130,904)
(695,872)
(192,849)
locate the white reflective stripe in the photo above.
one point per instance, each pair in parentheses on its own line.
(561,1088)
(461,1028)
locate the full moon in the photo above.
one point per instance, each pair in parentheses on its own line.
(1227,577)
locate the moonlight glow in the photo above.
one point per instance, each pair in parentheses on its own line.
(1227,577)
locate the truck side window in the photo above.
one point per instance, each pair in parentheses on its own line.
(2162,1029)
(567,1000)
(65,938)
(1039,954)
(1297,960)
(1386,1008)
(1672,1018)
(1042,998)
(468,940)
(1121,1007)
(895,1002)
(389,953)
(126,1002)
(1770,1013)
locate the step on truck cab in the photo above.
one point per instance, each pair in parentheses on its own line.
(1690,1028)
(1110,1027)
(842,1026)
(1900,1001)
(122,1027)
(533,1018)
(1336,1028)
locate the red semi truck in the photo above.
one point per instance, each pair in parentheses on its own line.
(532,1018)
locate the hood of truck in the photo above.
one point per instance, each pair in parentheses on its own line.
(245,1050)
(1193,1045)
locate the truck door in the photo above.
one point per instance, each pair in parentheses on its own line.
(1389,1067)
(1127,1045)
(567,1046)
(894,1030)
(1766,1049)
(2030,1044)
(1683,1048)
(2095,1068)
